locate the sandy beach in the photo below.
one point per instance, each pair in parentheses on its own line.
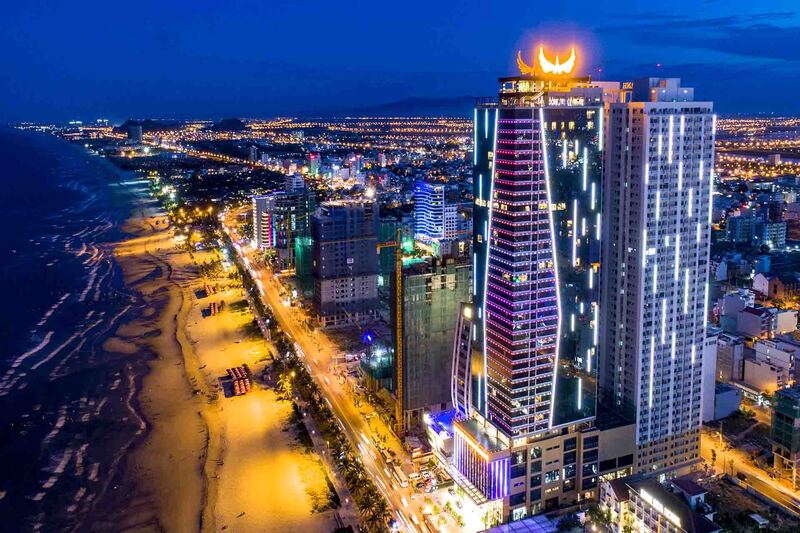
(207,462)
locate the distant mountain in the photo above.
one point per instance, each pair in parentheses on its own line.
(228,124)
(149,125)
(441,107)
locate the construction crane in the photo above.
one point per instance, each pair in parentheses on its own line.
(398,326)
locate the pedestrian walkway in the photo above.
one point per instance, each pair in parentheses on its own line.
(347,512)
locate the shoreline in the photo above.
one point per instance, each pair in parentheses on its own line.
(204,461)
(158,484)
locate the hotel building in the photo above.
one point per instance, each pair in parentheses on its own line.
(439,213)
(657,195)
(526,351)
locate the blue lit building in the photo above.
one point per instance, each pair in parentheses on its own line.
(439,214)
(429,202)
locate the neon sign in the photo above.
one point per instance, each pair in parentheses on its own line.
(556,67)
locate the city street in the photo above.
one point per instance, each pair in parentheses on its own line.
(735,462)
(318,352)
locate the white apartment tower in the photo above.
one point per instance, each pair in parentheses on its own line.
(657,196)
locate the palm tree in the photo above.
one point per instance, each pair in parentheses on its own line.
(601,517)
(378,514)
(366,502)
(285,386)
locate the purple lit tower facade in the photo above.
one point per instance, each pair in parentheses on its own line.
(525,356)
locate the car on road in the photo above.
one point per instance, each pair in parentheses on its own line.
(741,476)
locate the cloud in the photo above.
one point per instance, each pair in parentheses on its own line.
(754,36)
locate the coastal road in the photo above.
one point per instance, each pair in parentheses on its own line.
(735,462)
(318,351)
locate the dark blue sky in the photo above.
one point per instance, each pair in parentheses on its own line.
(62,59)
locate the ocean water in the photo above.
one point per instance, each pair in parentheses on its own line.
(68,412)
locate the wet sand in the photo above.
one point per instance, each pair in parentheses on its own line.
(206,462)
(161,486)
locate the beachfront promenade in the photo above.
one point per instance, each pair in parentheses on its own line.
(318,352)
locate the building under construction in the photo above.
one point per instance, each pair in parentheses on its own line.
(432,291)
(345,262)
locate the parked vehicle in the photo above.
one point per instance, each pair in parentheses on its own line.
(401,476)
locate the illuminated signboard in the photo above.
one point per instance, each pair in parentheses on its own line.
(556,68)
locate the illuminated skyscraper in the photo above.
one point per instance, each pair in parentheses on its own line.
(314,162)
(657,199)
(525,373)
(280,217)
(439,213)
(429,210)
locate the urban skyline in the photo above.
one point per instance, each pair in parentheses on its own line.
(568,302)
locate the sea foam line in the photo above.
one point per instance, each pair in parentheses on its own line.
(92,276)
(52,309)
(65,343)
(18,361)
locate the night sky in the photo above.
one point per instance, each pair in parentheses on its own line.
(179,58)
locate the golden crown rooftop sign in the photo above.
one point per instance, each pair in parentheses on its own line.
(555,68)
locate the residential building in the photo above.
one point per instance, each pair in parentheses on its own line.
(345,261)
(644,505)
(657,200)
(294,182)
(785,432)
(135,133)
(730,358)
(754,322)
(727,400)
(770,234)
(766,322)
(728,307)
(708,383)
(779,352)
(764,376)
(279,218)
(784,321)
(735,301)
(792,211)
(740,229)
(761,284)
(781,286)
